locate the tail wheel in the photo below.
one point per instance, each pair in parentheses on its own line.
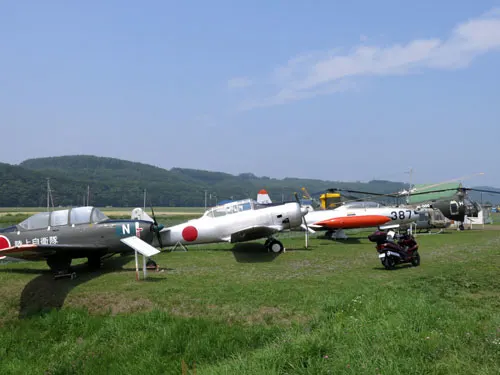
(415,261)
(389,262)
(275,246)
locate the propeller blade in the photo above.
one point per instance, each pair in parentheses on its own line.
(304,223)
(306,228)
(153,213)
(156,228)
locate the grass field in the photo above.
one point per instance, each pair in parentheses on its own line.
(331,309)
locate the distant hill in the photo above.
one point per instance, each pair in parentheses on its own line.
(21,187)
(117,182)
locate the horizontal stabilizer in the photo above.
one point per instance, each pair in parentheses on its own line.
(140,246)
(388,226)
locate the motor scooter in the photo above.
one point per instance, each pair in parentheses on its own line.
(395,248)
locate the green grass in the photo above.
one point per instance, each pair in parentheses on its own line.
(331,309)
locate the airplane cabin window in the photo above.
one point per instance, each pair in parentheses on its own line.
(80,215)
(220,212)
(98,216)
(58,218)
(36,221)
(246,206)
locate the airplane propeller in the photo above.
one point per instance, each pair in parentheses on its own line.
(304,223)
(156,228)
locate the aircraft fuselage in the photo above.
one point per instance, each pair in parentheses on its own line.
(87,239)
(220,229)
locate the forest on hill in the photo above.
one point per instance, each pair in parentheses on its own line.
(121,183)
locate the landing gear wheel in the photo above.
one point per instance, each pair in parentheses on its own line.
(94,262)
(415,262)
(389,263)
(275,246)
(151,264)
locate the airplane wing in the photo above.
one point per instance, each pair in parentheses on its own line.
(253,233)
(47,249)
(134,242)
(140,246)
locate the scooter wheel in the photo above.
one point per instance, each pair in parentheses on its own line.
(415,261)
(389,263)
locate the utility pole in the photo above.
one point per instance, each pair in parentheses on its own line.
(205,200)
(48,193)
(144,199)
(88,194)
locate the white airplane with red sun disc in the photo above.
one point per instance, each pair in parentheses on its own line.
(238,221)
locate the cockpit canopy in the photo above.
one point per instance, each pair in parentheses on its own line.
(364,204)
(71,216)
(231,208)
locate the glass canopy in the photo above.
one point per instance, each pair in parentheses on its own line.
(72,216)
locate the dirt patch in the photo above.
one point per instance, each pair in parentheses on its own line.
(102,303)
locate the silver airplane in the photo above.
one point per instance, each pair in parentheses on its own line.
(238,221)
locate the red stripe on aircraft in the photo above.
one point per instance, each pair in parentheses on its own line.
(349,222)
(17,249)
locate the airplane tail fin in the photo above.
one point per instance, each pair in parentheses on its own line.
(139,214)
(263,197)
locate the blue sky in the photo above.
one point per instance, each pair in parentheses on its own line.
(321,89)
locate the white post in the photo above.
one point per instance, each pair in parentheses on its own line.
(144,266)
(136,267)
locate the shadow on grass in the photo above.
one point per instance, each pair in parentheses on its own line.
(251,252)
(397,268)
(43,293)
(348,241)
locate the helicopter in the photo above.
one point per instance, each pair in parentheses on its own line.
(456,207)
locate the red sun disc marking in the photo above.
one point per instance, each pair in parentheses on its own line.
(190,233)
(4,242)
